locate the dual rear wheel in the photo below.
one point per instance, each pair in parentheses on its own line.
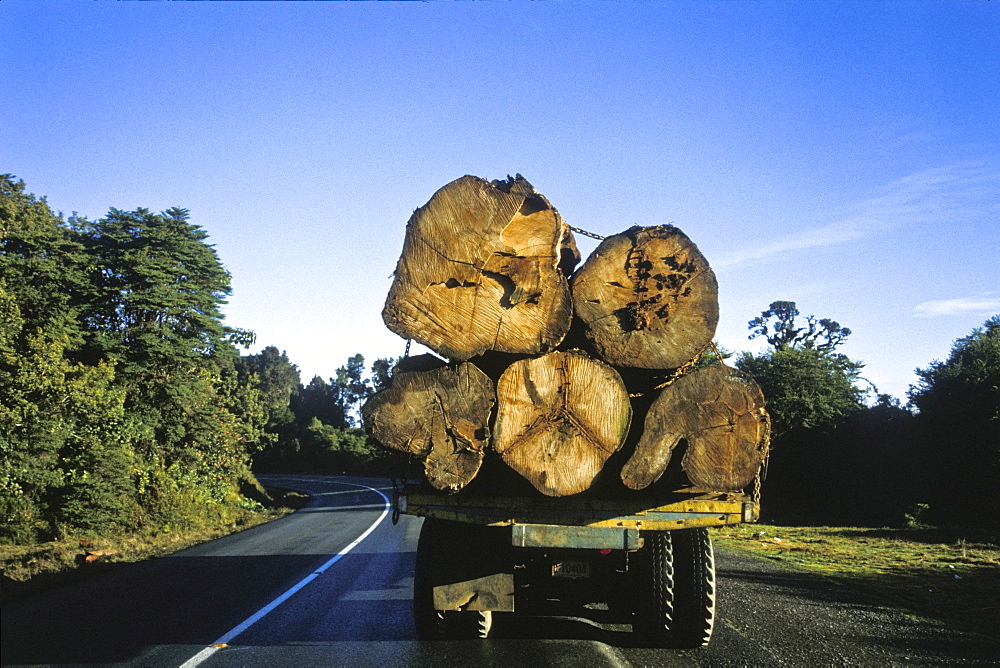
(673,588)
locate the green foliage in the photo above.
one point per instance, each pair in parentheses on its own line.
(805,388)
(806,384)
(714,354)
(382,372)
(965,388)
(278,382)
(320,434)
(914,518)
(120,406)
(43,265)
(830,452)
(339,450)
(323,401)
(354,387)
(158,288)
(959,414)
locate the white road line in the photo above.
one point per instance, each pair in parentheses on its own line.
(204,654)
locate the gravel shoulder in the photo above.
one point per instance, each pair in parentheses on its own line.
(800,618)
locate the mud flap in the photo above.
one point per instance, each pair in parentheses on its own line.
(472,567)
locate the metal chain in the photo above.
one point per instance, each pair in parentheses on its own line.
(406,353)
(586,233)
(762,471)
(755,494)
(398,485)
(718,355)
(395,499)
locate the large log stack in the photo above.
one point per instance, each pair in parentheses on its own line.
(486,281)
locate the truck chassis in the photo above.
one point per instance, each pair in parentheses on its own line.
(651,563)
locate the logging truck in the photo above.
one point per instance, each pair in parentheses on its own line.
(575,437)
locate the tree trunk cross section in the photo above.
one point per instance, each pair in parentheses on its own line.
(648,298)
(559,418)
(720,412)
(441,415)
(483,268)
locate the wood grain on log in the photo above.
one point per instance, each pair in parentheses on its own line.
(720,412)
(480,270)
(559,417)
(648,298)
(439,414)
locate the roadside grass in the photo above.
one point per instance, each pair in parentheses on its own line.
(29,569)
(944,575)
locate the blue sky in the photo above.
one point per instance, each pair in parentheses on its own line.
(845,156)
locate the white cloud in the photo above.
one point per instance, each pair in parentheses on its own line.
(935,194)
(985,304)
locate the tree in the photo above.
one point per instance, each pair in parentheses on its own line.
(965,388)
(806,384)
(804,388)
(323,401)
(158,288)
(42,263)
(959,412)
(120,404)
(354,387)
(381,373)
(778,326)
(63,435)
(278,381)
(322,434)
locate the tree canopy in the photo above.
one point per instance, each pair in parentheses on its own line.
(780,327)
(120,406)
(805,388)
(958,400)
(807,384)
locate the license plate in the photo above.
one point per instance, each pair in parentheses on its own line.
(571,569)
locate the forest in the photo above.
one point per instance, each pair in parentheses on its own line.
(125,405)
(128,406)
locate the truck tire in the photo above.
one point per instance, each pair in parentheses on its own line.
(694,588)
(430,623)
(468,624)
(673,586)
(652,589)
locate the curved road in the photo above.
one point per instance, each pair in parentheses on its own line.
(305,590)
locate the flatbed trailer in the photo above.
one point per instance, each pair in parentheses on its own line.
(648,561)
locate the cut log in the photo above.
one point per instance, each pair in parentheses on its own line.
(559,417)
(483,268)
(720,412)
(647,298)
(441,415)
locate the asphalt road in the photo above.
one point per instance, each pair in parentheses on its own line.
(304,590)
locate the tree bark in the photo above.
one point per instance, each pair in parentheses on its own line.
(648,299)
(441,415)
(483,268)
(559,418)
(719,410)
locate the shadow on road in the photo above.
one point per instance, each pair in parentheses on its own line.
(193,601)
